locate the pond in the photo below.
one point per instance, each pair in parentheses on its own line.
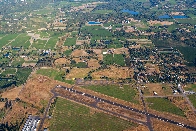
(164,17)
(130,12)
(93,22)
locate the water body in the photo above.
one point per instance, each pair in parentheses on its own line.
(130,12)
(179,16)
(93,23)
(164,17)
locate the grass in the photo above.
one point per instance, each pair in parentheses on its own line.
(164,105)
(6,39)
(39,44)
(118,59)
(71,116)
(54,74)
(126,93)
(22,75)
(67,52)
(21,40)
(70,41)
(192,98)
(189,53)
(191,87)
(9,71)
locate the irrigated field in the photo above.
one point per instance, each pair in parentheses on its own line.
(72,116)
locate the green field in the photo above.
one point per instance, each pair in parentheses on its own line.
(9,71)
(126,93)
(39,44)
(164,105)
(54,74)
(118,59)
(21,40)
(74,117)
(191,87)
(70,41)
(192,98)
(189,53)
(102,11)
(6,39)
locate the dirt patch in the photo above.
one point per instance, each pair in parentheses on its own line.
(79,53)
(78,73)
(158,126)
(97,51)
(121,51)
(12,94)
(114,73)
(140,128)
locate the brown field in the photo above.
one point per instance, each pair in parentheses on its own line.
(139,128)
(151,22)
(93,63)
(157,87)
(11,94)
(78,73)
(18,112)
(164,126)
(97,51)
(2,104)
(114,73)
(61,61)
(121,51)
(189,121)
(79,53)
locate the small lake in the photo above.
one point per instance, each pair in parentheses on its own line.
(130,12)
(179,16)
(164,17)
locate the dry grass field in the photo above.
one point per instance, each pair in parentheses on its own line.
(164,126)
(159,88)
(12,94)
(61,61)
(114,73)
(78,73)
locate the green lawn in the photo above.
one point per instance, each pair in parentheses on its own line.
(74,117)
(126,93)
(164,105)
(192,98)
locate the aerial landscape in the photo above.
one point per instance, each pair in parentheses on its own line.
(97,65)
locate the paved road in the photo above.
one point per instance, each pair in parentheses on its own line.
(130,108)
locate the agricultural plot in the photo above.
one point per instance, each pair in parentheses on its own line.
(6,39)
(125,92)
(164,105)
(52,41)
(22,75)
(111,59)
(8,71)
(66,118)
(39,44)
(21,41)
(70,41)
(54,74)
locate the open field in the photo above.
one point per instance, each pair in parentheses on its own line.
(159,88)
(164,105)
(54,74)
(78,73)
(6,39)
(21,41)
(70,41)
(190,87)
(114,73)
(158,126)
(9,71)
(192,98)
(125,92)
(111,59)
(11,94)
(72,116)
